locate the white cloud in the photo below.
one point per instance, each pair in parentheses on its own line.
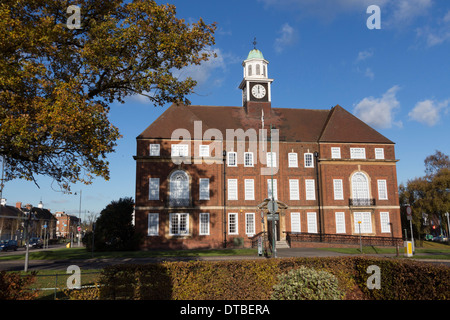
(363,55)
(379,112)
(429,111)
(404,11)
(369,73)
(437,34)
(288,36)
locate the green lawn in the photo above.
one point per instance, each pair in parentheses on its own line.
(82,253)
(428,250)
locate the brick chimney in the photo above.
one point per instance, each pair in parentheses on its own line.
(19,205)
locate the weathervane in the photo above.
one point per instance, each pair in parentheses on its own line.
(254,43)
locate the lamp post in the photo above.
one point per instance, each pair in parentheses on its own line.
(360,240)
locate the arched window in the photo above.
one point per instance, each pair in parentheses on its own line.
(360,188)
(264,70)
(249,70)
(257,69)
(179,189)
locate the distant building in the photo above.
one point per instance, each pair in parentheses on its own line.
(66,225)
(200,176)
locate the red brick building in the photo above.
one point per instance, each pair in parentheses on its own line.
(202,171)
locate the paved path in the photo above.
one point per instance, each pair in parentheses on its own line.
(18,265)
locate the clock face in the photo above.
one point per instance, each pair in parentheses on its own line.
(258,91)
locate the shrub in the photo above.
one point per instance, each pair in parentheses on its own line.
(14,286)
(306,284)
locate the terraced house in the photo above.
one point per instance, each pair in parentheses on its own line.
(203,173)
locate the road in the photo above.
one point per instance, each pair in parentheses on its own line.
(94,263)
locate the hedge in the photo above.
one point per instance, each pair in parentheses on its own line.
(13,286)
(255,279)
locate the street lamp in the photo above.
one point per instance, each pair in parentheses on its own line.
(360,240)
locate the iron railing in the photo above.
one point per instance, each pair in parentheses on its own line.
(361,202)
(343,239)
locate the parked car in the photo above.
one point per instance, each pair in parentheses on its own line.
(35,243)
(429,237)
(440,239)
(6,245)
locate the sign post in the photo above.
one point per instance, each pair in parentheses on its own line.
(409,217)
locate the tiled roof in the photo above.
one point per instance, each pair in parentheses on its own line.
(308,125)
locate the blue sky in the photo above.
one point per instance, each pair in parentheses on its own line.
(321,53)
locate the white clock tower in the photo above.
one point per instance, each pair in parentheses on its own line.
(255,85)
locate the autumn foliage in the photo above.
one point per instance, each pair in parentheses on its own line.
(56,83)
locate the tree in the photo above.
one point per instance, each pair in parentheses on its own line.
(429,194)
(56,83)
(114,229)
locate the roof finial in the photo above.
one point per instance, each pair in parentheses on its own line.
(254,43)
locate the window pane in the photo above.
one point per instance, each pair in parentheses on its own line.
(250,223)
(309,187)
(154,150)
(248,159)
(204,223)
(232,223)
(309,160)
(153,189)
(293,189)
(153,224)
(232,189)
(312,222)
(271,159)
(295,222)
(382,190)
(179,189)
(292,160)
(232,159)
(336,153)
(249,189)
(204,189)
(338,190)
(384,219)
(357,153)
(379,153)
(340,222)
(269,189)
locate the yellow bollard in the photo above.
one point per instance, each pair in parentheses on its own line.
(68,245)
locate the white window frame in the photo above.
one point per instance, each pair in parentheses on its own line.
(179,217)
(385,222)
(232,189)
(269,188)
(357,153)
(338,189)
(154,150)
(292,160)
(203,187)
(294,189)
(309,163)
(248,159)
(179,150)
(249,223)
(153,188)
(296,225)
(310,189)
(203,226)
(203,150)
(153,224)
(271,160)
(379,153)
(366,222)
(233,227)
(311,218)
(340,222)
(249,189)
(232,159)
(382,190)
(335,152)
